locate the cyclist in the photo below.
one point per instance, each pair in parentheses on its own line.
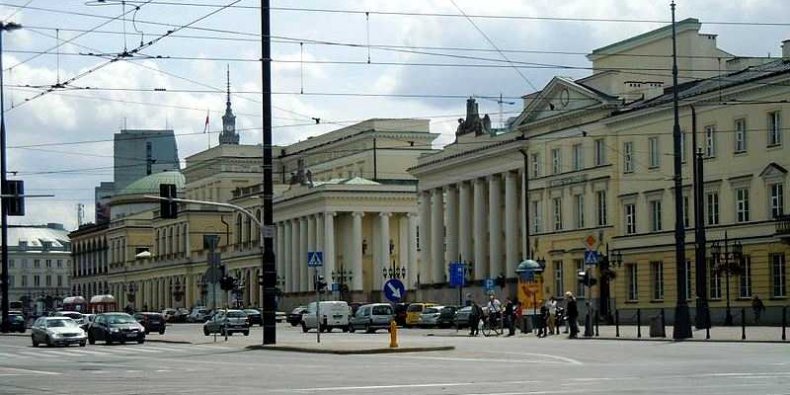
(494,309)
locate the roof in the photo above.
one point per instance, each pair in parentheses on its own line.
(150,184)
(36,236)
(688,23)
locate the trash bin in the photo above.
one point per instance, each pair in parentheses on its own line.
(526,324)
(656,329)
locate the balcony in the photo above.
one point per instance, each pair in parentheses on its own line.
(783,228)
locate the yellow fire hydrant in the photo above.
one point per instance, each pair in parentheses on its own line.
(393,334)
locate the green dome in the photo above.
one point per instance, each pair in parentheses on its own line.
(149,185)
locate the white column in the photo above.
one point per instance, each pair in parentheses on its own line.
(480,245)
(329,245)
(511,222)
(452,223)
(437,236)
(301,257)
(523,203)
(412,268)
(291,275)
(279,256)
(356,250)
(424,270)
(495,225)
(312,246)
(383,254)
(465,221)
(403,244)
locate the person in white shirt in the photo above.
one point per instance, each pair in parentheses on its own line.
(552,306)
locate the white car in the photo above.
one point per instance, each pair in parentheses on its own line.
(57,330)
(332,313)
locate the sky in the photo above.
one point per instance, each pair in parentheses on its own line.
(340,61)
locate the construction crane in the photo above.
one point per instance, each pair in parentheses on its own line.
(500,102)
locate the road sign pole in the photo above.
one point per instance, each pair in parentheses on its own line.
(317,306)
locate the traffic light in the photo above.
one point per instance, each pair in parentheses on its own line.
(14,199)
(227,283)
(500,281)
(168,208)
(320,284)
(586,280)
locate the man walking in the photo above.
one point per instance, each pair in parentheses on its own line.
(758,307)
(572,312)
(474,318)
(510,317)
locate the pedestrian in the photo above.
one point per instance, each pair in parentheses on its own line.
(542,319)
(758,307)
(552,317)
(520,317)
(475,314)
(572,312)
(468,301)
(510,317)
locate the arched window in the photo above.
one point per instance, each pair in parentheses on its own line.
(170,241)
(185,238)
(158,243)
(248,230)
(239,225)
(177,241)
(258,228)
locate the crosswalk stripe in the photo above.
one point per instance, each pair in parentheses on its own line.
(61,353)
(28,354)
(87,352)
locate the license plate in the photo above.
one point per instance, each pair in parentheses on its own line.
(131,335)
(338,316)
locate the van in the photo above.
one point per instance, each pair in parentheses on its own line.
(333,314)
(414,311)
(371,317)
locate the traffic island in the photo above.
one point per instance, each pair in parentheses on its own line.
(344,349)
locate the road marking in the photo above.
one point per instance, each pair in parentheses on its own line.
(61,353)
(559,360)
(29,354)
(25,371)
(424,385)
(549,356)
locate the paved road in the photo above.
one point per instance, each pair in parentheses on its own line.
(518,365)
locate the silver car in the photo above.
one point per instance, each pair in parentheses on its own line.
(227,321)
(371,317)
(57,331)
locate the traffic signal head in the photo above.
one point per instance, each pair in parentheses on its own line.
(15,200)
(500,280)
(586,280)
(168,208)
(320,284)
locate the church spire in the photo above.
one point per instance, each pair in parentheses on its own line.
(228,135)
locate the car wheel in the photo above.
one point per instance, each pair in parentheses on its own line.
(350,328)
(147,332)
(162,331)
(205,331)
(49,342)
(91,340)
(35,342)
(141,340)
(304,328)
(367,329)
(246,333)
(329,329)
(82,343)
(294,323)
(123,341)
(347,328)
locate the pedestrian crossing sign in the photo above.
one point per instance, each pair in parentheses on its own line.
(315,259)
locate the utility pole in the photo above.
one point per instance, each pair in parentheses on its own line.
(682,328)
(268,268)
(702,311)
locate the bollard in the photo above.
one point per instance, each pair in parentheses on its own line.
(617,323)
(597,319)
(639,323)
(707,333)
(743,323)
(393,334)
(784,323)
(663,324)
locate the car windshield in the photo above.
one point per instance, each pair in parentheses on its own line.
(298,310)
(120,319)
(236,314)
(413,308)
(430,310)
(251,311)
(382,310)
(60,323)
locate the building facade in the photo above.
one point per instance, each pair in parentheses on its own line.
(139,153)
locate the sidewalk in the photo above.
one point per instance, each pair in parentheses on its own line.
(769,334)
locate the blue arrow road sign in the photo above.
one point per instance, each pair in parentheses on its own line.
(590,257)
(489,284)
(394,290)
(315,259)
(456,274)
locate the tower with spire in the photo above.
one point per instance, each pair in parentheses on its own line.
(228,135)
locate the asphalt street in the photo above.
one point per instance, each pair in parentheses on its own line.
(494,365)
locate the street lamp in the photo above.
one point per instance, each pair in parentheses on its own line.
(394,271)
(5,327)
(730,261)
(612,259)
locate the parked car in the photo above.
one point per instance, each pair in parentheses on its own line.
(152,322)
(180,315)
(295,316)
(446,317)
(227,321)
(461,319)
(112,327)
(87,320)
(371,317)
(199,314)
(430,316)
(332,313)
(75,315)
(413,313)
(279,316)
(16,323)
(167,314)
(356,305)
(57,331)
(254,316)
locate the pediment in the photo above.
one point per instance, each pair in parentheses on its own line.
(560,96)
(773,170)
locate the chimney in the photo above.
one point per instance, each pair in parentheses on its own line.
(786,49)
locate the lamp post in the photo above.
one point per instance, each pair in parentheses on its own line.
(341,276)
(5,327)
(609,261)
(730,262)
(394,271)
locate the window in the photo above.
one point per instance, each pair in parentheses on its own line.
(11,263)
(777,200)
(578,208)
(655,159)
(778,276)
(578,158)
(712,199)
(682,146)
(48,280)
(580,288)
(600,197)
(48,263)
(60,263)
(535,160)
(11,281)
(633,291)
(417,234)
(742,204)
(60,281)
(688,280)
(36,281)
(555,161)
(774,128)
(559,275)
(740,136)
(745,279)
(24,280)
(36,263)
(628,157)
(710,141)
(655,215)
(536,216)
(600,152)
(630,219)
(557,208)
(686,218)
(657,279)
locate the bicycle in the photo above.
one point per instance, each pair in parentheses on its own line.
(493,324)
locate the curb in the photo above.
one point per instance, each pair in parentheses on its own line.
(350,352)
(691,340)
